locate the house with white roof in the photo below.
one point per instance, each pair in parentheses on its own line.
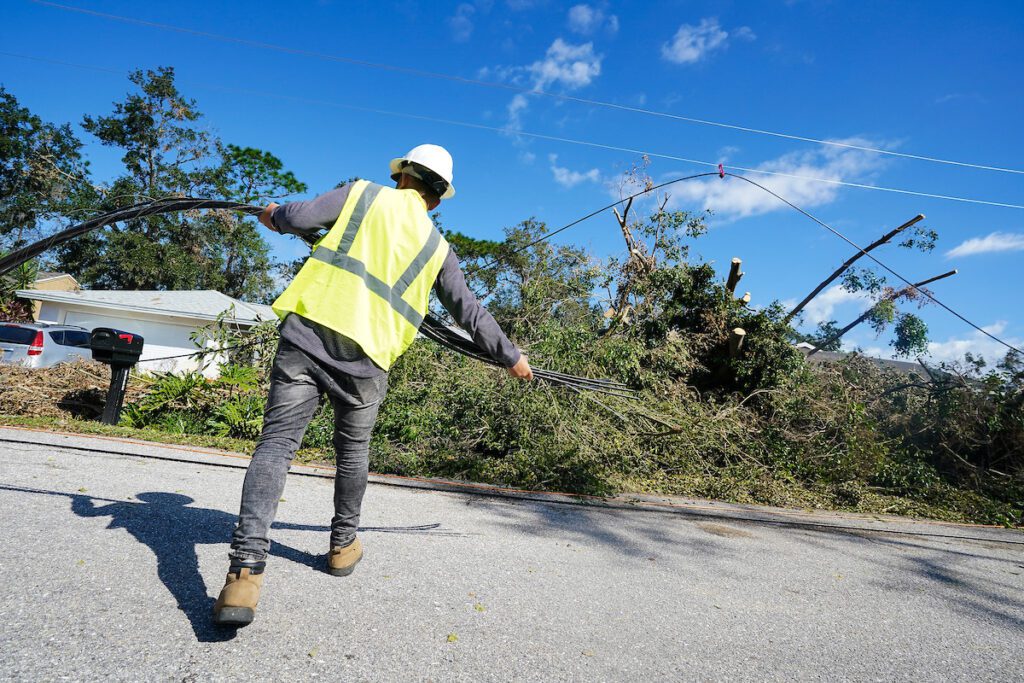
(166,320)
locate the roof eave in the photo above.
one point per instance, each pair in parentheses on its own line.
(54,297)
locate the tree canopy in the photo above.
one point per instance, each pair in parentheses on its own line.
(167,152)
(43,175)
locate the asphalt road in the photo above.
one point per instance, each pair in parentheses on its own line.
(112,554)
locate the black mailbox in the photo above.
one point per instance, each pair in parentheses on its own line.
(115,347)
(120,350)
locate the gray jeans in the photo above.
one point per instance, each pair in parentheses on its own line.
(296,383)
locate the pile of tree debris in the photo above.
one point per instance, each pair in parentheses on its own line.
(78,389)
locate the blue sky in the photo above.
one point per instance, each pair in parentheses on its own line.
(938,79)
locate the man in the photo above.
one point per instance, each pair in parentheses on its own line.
(351,311)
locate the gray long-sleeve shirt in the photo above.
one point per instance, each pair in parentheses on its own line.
(341,353)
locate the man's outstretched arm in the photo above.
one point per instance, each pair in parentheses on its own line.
(306,218)
(456,297)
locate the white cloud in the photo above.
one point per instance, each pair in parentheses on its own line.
(461,24)
(822,307)
(992,243)
(516,107)
(744,33)
(568,65)
(733,198)
(996,328)
(692,43)
(976,343)
(565,65)
(586,19)
(568,178)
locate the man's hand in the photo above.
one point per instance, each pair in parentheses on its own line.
(267,213)
(521,369)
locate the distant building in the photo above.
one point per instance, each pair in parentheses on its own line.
(903,366)
(166,320)
(52,282)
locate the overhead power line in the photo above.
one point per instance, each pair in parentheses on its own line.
(518,89)
(919,287)
(540,136)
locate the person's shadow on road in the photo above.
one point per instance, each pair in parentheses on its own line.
(171,528)
(166,524)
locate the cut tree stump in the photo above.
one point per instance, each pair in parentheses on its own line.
(736,337)
(734,275)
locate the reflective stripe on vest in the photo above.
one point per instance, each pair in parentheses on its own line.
(382,236)
(375,284)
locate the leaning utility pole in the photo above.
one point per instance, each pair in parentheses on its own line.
(849,262)
(864,316)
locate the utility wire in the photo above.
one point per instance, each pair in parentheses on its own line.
(820,222)
(565,227)
(540,136)
(514,88)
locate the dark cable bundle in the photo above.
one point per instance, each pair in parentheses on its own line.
(150,208)
(432,328)
(458,341)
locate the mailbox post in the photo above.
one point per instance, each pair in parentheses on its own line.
(120,350)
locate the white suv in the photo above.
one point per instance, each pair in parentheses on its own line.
(39,345)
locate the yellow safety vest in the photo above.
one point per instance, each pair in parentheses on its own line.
(370,277)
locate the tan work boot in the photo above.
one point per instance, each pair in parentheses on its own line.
(343,561)
(236,604)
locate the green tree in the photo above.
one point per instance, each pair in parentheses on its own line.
(535,283)
(42,173)
(247,175)
(166,152)
(474,254)
(911,336)
(13,309)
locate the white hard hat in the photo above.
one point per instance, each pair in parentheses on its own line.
(432,157)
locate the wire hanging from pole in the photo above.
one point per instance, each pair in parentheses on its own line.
(441,331)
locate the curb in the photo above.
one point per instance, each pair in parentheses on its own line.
(825,521)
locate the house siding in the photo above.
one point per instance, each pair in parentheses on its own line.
(60,283)
(163,337)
